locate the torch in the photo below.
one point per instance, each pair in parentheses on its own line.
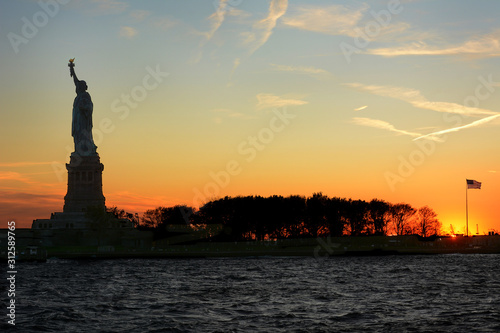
(71,65)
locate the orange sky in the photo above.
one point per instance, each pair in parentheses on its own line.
(256,98)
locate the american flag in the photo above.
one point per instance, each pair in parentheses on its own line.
(473,184)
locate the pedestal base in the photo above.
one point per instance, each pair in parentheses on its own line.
(84,184)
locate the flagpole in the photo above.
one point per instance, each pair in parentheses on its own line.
(466,210)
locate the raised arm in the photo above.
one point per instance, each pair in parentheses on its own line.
(72,73)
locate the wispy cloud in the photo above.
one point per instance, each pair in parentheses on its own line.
(222,10)
(23,207)
(128,32)
(139,15)
(347,21)
(263,29)
(458,128)
(486,45)
(11,175)
(216,19)
(382,125)
(332,20)
(25,164)
(361,108)
(228,113)
(312,71)
(29,198)
(266,101)
(415,98)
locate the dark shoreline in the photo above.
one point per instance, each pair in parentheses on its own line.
(308,247)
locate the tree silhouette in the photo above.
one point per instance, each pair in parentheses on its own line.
(316,211)
(400,215)
(378,211)
(356,217)
(427,222)
(122,214)
(152,218)
(335,216)
(277,217)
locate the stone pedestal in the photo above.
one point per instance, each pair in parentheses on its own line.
(84,184)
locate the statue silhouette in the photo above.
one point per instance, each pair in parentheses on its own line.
(81,127)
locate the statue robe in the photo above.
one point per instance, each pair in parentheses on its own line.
(81,127)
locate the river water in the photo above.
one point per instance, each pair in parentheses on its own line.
(441,293)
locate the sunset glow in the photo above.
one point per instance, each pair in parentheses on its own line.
(395,100)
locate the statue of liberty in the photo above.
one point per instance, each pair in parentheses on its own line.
(81,127)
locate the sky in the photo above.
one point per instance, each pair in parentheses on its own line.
(195,100)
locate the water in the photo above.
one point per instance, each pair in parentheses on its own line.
(447,293)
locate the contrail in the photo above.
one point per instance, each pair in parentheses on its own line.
(456,129)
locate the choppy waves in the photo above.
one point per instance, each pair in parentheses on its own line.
(447,293)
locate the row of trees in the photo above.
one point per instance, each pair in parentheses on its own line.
(278,217)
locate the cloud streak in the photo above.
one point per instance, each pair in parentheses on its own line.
(487,45)
(11,175)
(340,20)
(458,128)
(361,108)
(227,113)
(332,20)
(312,71)
(263,29)
(380,124)
(415,98)
(128,32)
(23,207)
(267,101)
(216,19)
(25,164)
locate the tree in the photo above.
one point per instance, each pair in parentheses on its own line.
(427,222)
(378,213)
(216,217)
(179,215)
(275,217)
(401,214)
(356,215)
(294,216)
(118,213)
(152,218)
(134,218)
(122,214)
(335,216)
(316,212)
